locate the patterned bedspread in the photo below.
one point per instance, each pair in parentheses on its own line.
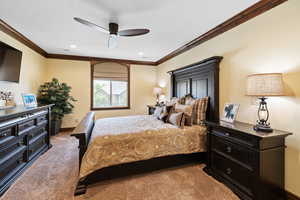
(133,138)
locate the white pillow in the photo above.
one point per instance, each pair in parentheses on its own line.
(158,111)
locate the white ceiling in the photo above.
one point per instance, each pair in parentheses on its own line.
(173,23)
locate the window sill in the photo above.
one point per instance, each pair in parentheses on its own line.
(112,108)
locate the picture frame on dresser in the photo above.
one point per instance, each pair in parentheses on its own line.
(29,100)
(230,112)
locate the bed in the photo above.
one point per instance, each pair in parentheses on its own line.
(129,144)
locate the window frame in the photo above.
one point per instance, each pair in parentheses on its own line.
(92,88)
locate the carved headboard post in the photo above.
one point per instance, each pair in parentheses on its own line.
(200,79)
(172,92)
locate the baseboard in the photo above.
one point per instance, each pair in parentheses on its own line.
(67,129)
(291,196)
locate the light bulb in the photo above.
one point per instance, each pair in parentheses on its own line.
(112,41)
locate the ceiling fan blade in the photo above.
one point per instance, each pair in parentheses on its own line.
(90,24)
(133,32)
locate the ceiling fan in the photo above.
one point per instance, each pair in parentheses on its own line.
(113,31)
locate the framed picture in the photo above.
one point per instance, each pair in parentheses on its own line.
(230,112)
(29,100)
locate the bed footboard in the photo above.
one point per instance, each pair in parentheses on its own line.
(83,133)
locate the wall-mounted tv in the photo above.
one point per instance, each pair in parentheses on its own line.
(10,63)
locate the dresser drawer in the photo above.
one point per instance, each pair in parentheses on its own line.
(7,135)
(41,119)
(241,177)
(38,131)
(234,151)
(12,163)
(37,144)
(5,150)
(26,126)
(240,138)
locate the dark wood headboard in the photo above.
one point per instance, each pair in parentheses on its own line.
(200,79)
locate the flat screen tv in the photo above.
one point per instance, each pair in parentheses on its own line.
(10,63)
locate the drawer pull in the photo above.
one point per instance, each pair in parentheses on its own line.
(228,171)
(228,149)
(227,134)
(20,161)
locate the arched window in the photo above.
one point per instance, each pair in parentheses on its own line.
(110,86)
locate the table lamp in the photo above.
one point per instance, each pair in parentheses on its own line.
(262,86)
(157,91)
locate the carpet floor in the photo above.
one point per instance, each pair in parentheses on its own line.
(53,177)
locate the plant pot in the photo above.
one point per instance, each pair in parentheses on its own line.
(55,126)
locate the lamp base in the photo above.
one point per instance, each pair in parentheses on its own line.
(262,128)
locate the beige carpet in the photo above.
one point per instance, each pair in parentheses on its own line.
(53,177)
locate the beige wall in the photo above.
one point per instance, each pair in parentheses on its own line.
(32,70)
(268,43)
(77,75)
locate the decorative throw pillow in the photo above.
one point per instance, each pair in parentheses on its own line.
(173,101)
(181,100)
(177,119)
(187,110)
(158,111)
(189,101)
(199,110)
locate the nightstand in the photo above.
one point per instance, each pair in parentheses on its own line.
(250,163)
(151,109)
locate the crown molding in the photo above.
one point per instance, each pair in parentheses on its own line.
(87,58)
(21,38)
(251,12)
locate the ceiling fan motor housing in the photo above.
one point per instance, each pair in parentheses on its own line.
(113,28)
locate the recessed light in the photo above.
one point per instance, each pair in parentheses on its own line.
(73,46)
(141,53)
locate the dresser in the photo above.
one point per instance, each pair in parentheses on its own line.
(250,163)
(24,136)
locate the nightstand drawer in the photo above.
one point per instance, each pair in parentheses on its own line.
(234,151)
(240,138)
(239,176)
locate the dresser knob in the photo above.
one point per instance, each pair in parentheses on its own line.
(228,171)
(228,149)
(227,134)
(20,161)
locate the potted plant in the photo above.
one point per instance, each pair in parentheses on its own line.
(58,94)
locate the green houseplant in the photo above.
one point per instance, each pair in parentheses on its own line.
(58,94)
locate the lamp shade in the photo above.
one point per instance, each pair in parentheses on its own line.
(265,85)
(157,91)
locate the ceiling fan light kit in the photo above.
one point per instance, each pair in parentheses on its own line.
(113,31)
(112,41)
